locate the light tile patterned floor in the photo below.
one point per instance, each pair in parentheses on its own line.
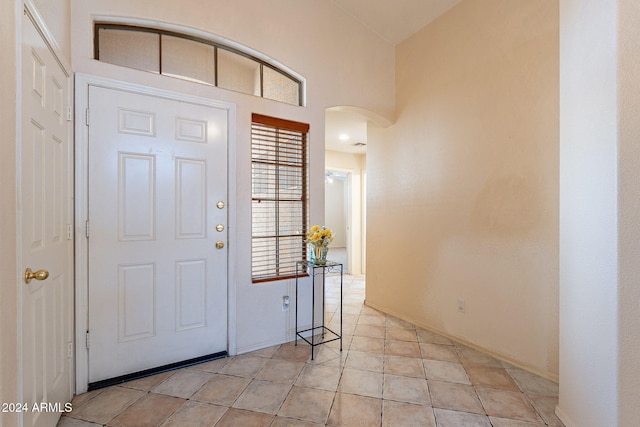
(390,373)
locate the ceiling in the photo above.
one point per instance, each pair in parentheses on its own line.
(345,132)
(394,21)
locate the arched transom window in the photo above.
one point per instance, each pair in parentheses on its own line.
(196,59)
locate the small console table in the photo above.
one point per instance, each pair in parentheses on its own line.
(319,334)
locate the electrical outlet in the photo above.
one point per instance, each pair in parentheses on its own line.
(461,307)
(285,303)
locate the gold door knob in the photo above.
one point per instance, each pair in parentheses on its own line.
(38,275)
(220,227)
(219,244)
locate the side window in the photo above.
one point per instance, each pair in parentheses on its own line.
(279,197)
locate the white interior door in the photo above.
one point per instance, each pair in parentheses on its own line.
(46,235)
(157,267)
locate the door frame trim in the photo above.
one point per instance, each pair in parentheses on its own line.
(82,84)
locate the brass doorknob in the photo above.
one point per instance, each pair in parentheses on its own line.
(219,244)
(38,275)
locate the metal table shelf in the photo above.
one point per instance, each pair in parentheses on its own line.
(319,334)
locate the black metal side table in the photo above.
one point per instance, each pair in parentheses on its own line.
(319,334)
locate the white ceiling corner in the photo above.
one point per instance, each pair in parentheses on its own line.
(395,20)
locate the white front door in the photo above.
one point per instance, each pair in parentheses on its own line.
(157,232)
(46,233)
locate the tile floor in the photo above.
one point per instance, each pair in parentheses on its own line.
(390,373)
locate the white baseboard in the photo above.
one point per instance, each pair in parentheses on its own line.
(545,374)
(564,418)
(260,345)
(270,343)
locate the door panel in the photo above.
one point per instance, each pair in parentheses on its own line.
(157,282)
(45,191)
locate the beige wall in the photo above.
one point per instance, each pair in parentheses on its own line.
(463,189)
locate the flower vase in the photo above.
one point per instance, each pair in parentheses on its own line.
(320,254)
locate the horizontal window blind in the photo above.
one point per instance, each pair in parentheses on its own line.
(279,197)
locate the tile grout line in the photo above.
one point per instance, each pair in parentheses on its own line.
(329,355)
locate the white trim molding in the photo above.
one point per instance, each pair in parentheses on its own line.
(33,14)
(564,418)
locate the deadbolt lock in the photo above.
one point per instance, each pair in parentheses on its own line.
(219,227)
(220,204)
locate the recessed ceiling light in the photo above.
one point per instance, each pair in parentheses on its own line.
(343,137)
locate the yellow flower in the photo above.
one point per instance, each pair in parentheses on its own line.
(318,235)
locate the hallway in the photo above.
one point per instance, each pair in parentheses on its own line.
(390,373)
